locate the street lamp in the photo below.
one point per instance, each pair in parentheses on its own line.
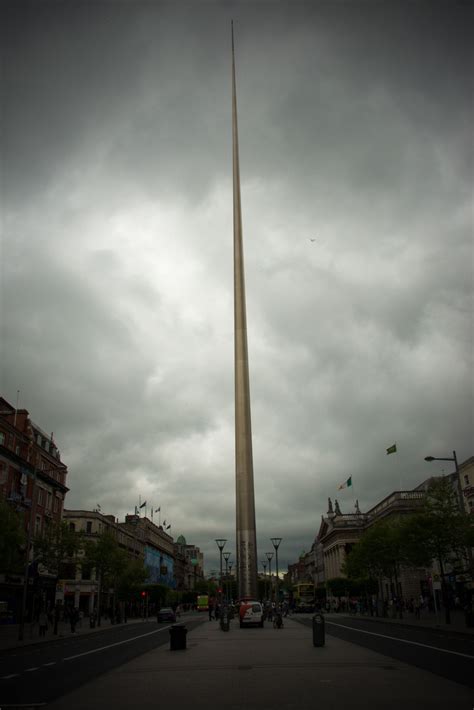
(269,556)
(454,459)
(226,556)
(276,544)
(230,581)
(264,565)
(220,542)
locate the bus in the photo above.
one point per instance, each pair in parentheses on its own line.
(303,596)
(203,602)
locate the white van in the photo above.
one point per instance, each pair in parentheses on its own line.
(251,613)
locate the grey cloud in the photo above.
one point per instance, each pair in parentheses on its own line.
(117,271)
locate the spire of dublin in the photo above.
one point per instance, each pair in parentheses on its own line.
(246,538)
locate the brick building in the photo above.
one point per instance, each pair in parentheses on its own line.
(32,482)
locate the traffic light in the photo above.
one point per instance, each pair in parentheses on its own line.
(143,594)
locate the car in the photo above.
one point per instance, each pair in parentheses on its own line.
(251,613)
(166,614)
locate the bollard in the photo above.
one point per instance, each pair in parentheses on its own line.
(318,630)
(178,637)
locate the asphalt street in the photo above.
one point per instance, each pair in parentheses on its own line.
(41,673)
(444,653)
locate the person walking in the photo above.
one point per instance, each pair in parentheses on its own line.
(43,623)
(73,618)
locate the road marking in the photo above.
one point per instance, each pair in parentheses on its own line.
(394,638)
(13,675)
(28,670)
(53,663)
(118,643)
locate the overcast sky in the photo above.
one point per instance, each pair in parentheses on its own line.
(355,124)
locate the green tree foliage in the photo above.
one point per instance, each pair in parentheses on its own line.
(106,556)
(379,553)
(440,531)
(56,545)
(12,539)
(338,586)
(114,568)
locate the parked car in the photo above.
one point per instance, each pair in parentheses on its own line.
(166,614)
(251,613)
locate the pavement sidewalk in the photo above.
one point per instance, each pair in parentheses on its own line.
(264,669)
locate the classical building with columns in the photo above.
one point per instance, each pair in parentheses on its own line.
(337,534)
(339,531)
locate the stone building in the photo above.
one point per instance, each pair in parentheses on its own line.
(466,482)
(79,585)
(158,547)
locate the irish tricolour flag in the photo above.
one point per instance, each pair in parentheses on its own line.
(346,484)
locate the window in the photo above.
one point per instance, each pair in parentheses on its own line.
(2,437)
(38,525)
(17,450)
(72,527)
(55,505)
(3,473)
(49,500)
(89,528)
(40,497)
(86,571)
(466,479)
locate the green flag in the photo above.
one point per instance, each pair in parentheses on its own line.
(392,449)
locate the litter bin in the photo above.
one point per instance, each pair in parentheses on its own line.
(318,630)
(178,637)
(225,621)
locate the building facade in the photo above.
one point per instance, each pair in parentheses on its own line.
(80,586)
(33,483)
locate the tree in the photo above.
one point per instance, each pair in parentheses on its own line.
(379,552)
(114,568)
(441,532)
(12,540)
(55,546)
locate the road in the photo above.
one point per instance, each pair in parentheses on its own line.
(41,673)
(444,653)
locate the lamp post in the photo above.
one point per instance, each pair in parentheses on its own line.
(264,565)
(454,459)
(226,556)
(230,581)
(220,542)
(269,556)
(276,544)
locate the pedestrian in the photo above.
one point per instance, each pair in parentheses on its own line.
(210,613)
(43,622)
(73,618)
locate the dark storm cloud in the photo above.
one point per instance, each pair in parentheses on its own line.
(355,130)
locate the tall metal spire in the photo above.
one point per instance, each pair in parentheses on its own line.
(246,538)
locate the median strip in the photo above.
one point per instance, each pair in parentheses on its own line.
(394,638)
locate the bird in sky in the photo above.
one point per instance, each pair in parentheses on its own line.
(312,240)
